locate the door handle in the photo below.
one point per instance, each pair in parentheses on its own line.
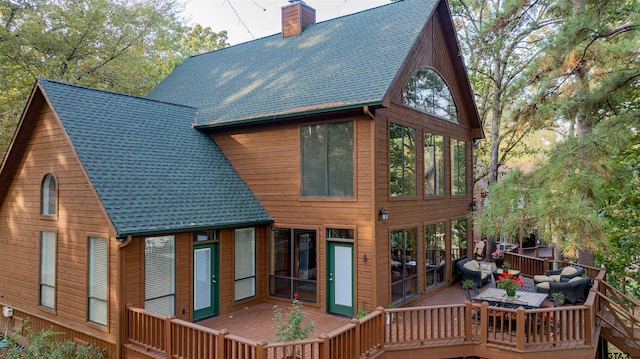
(330,277)
(213,279)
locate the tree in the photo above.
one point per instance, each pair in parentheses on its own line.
(119,45)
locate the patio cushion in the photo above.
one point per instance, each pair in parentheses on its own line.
(575,279)
(568,271)
(543,285)
(542,278)
(472,265)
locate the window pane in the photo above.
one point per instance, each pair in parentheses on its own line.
(98,279)
(47,269)
(160,274)
(458,167)
(435,259)
(433,164)
(458,238)
(428,92)
(402,160)
(48,196)
(245,263)
(404,264)
(327,160)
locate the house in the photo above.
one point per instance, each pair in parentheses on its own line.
(332,161)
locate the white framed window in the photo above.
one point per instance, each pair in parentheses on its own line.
(245,263)
(160,274)
(48,269)
(49,196)
(98,280)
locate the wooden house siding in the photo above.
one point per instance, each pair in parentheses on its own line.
(268,159)
(79,216)
(430,51)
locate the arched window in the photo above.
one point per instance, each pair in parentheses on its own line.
(428,92)
(49,196)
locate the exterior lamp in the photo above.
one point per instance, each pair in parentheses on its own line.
(384,214)
(473,205)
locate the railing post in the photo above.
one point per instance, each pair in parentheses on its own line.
(520,334)
(356,347)
(324,349)
(484,323)
(383,326)
(261,351)
(222,350)
(468,322)
(167,337)
(589,323)
(546,266)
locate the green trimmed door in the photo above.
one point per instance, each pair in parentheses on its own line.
(340,278)
(205,280)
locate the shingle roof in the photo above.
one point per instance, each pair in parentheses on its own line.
(152,171)
(345,62)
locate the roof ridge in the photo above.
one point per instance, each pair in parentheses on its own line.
(40,79)
(279,33)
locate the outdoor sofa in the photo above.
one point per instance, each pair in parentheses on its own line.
(471,269)
(559,275)
(575,290)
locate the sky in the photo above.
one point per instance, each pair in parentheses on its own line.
(245,20)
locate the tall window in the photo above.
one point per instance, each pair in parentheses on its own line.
(245,263)
(48,196)
(48,269)
(435,253)
(327,160)
(458,167)
(98,277)
(428,92)
(293,264)
(404,265)
(160,275)
(433,164)
(458,238)
(402,157)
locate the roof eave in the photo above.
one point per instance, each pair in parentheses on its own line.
(159,231)
(290,114)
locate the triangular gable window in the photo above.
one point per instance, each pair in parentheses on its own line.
(427,91)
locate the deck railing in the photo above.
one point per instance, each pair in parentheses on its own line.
(512,329)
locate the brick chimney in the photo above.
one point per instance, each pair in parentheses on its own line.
(296,17)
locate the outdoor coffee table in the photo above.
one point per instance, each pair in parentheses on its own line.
(498,297)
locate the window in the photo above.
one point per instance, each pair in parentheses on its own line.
(433,165)
(427,91)
(327,160)
(435,254)
(245,263)
(458,167)
(458,238)
(293,266)
(159,275)
(98,278)
(402,161)
(49,194)
(404,265)
(48,269)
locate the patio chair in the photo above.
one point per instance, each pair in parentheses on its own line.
(575,290)
(478,251)
(470,269)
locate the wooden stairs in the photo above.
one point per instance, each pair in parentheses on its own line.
(619,317)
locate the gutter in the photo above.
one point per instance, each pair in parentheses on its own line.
(142,233)
(303,113)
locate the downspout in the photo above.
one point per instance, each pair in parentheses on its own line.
(122,309)
(368,112)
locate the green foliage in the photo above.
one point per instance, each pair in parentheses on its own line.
(468,284)
(44,345)
(118,45)
(289,327)
(361,313)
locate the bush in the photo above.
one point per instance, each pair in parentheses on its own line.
(44,345)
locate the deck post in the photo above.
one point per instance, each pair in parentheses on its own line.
(221,347)
(167,337)
(520,334)
(588,324)
(323,350)
(261,351)
(484,323)
(468,322)
(357,350)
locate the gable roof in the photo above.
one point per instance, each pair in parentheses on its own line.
(347,62)
(152,171)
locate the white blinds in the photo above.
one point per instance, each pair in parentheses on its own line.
(245,263)
(98,279)
(159,274)
(48,269)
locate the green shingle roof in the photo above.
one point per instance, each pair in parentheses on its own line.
(345,62)
(152,171)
